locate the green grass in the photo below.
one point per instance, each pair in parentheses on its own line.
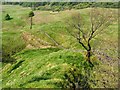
(19,18)
(45,68)
(11,44)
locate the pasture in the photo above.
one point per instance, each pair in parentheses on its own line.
(34,59)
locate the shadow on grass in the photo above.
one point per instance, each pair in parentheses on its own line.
(7,59)
(9,19)
(16,65)
(34,79)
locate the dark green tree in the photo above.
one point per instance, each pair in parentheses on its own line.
(7,17)
(31,14)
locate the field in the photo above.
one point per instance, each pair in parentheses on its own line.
(34,60)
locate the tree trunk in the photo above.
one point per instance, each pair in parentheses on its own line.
(31,23)
(89,56)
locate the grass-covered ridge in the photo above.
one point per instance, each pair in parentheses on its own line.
(39,68)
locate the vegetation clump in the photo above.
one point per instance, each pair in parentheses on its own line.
(7,17)
(79,77)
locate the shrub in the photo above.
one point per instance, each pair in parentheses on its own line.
(79,77)
(7,17)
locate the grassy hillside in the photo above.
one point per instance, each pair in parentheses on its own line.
(32,59)
(39,68)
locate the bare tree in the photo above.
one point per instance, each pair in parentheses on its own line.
(86,30)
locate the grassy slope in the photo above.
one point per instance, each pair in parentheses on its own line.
(40,68)
(50,63)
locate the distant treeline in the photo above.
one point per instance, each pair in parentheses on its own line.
(57,6)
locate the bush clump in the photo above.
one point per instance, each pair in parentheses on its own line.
(7,17)
(79,77)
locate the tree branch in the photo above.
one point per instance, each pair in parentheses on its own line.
(82,44)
